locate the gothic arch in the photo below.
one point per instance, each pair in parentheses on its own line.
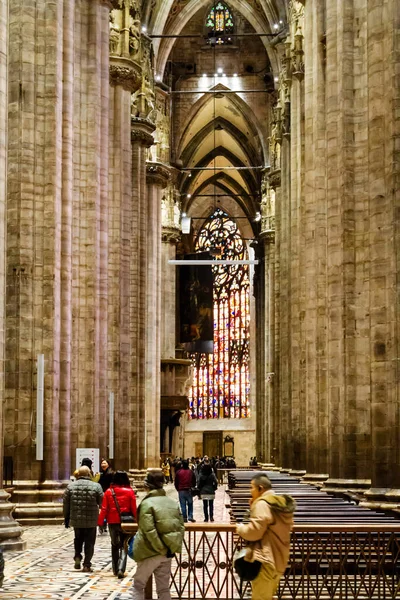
(227,185)
(162,48)
(248,116)
(247,176)
(245,144)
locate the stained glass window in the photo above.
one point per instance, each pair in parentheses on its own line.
(220,24)
(221,380)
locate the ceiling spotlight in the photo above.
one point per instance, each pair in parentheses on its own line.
(144,29)
(280,22)
(189,196)
(220,70)
(276,26)
(235,75)
(215,75)
(158,78)
(204,75)
(257,217)
(189,175)
(183,214)
(276,79)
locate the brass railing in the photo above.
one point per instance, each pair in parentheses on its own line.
(327,563)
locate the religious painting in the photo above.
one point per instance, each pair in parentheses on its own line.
(196,306)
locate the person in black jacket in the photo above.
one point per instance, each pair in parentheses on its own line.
(207,485)
(81,503)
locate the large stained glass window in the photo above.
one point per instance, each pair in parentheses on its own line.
(221,380)
(220,24)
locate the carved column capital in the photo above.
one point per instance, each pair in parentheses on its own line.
(126,73)
(170,235)
(141,131)
(275,179)
(158,173)
(268,236)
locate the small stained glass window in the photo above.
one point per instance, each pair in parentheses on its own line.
(220,24)
(221,380)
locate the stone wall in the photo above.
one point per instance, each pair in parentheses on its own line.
(336,248)
(76,242)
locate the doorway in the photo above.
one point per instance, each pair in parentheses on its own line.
(212,443)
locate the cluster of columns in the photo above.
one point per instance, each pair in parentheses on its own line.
(81,241)
(335,402)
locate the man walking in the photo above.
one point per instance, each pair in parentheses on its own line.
(185,480)
(81,503)
(271,521)
(159,537)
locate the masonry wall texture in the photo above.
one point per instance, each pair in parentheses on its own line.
(336,291)
(83,261)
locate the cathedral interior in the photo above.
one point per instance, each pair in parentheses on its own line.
(138,133)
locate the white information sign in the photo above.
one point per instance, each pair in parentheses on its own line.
(92,453)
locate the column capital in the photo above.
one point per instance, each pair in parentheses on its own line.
(158,173)
(267,236)
(274,178)
(141,131)
(126,73)
(170,235)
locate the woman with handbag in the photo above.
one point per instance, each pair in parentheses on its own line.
(119,506)
(207,484)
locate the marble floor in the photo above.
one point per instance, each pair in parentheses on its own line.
(45,570)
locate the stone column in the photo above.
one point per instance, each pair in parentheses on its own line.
(125,78)
(265,417)
(158,175)
(141,130)
(57,242)
(383,76)
(89,226)
(171,235)
(10,530)
(33,233)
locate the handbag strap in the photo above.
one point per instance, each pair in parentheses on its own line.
(116,502)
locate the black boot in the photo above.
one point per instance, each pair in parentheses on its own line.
(122,562)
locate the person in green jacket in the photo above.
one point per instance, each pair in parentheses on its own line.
(159,537)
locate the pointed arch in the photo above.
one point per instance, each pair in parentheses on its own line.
(227,185)
(248,116)
(245,144)
(164,47)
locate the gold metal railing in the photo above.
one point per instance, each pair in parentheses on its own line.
(349,562)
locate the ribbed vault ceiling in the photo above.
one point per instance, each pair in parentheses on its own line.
(220,131)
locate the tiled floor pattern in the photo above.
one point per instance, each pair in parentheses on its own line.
(45,570)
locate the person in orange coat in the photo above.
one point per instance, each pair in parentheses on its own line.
(119,498)
(268,531)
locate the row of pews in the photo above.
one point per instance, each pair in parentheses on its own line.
(338,550)
(313,506)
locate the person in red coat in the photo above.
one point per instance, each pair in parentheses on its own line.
(111,509)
